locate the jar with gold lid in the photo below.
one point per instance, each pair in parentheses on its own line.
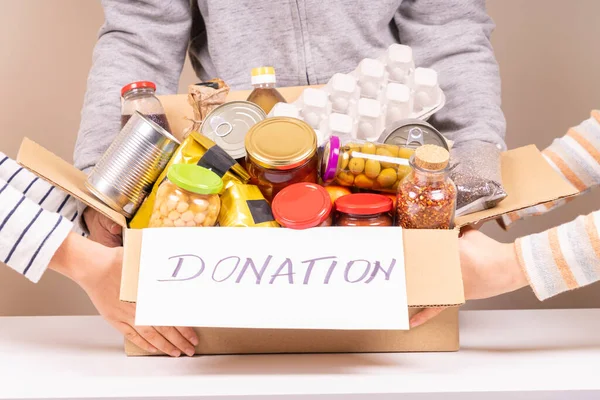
(281,151)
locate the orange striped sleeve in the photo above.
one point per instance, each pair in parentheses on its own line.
(559,259)
(585,144)
(565,170)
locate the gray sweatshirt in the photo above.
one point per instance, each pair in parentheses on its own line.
(307,41)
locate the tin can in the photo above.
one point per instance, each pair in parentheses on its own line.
(413,133)
(228,124)
(127,170)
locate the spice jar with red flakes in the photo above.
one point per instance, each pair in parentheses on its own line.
(427,196)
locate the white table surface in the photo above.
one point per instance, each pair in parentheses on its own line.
(505,354)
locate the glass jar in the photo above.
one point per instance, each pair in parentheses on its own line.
(302,206)
(188,197)
(365,165)
(364,209)
(281,151)
(427,196)
(140,96)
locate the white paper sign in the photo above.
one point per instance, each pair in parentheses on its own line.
(321,278)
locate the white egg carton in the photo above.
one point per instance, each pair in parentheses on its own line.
(376,94)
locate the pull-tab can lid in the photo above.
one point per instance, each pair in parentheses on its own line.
(228,124)
(413,133)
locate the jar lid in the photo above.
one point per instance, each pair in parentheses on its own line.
(281,143)
(331,157)
(228,124)
(195,179)
(431,157)
(262,75)
(137,85)
(412,133)
(302,205)
(364,204)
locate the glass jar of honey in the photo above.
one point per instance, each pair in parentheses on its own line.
(188,197)
(302,206)
(281,151)
(365,165)
(364,209)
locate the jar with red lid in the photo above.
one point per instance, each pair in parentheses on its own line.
(302,206)
(281,151)
(364,209)
(141,96)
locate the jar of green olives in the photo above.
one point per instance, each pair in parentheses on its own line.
(365,165)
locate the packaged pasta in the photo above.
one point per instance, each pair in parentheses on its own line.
(245,206)
(200,150)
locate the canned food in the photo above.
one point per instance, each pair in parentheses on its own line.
(413,133)
(228,124)
(127,170)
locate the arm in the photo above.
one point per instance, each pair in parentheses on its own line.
(140,40)
(576,157)
(453,37)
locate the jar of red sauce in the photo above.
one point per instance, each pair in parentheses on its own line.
(302,206)
(364,209)
(281,151)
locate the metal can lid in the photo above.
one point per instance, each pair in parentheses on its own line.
(413,133)
(228,124)
(302,205)
(281,143)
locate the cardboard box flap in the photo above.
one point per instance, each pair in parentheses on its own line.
(528,180)
(433,277)
(60,173)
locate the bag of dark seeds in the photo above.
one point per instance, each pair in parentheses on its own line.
(477,176)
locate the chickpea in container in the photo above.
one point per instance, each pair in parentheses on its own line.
(189,197)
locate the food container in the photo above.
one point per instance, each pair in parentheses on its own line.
(365,165)
(412,133)
(364,209)
(141,96)
(245,206)
(281,151)
(228,124)
(427,196)
(189,197)
(302,206)
(126,172)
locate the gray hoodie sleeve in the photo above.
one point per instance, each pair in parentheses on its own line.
(453,37)
(140,40)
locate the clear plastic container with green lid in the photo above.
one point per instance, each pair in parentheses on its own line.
(189,196)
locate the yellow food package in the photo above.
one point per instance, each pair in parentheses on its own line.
(245,206)
(200,150)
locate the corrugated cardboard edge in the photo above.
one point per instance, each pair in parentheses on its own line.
(528,180)
(439,334)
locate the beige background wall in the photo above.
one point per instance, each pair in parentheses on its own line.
(549,63)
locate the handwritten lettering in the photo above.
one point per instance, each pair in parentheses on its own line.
(349,267)
(180,259)
(259,274)
(387,273)
(311,264)
(290,272)
(232,271)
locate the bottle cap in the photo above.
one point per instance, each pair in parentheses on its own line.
(331,157)
(302,205)
(364,204)
(262,75)
(195,179)
(137,85)
(431,157)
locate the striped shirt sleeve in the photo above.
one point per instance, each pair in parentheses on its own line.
(576,157)
(29,235)
(563,258)
(39,191)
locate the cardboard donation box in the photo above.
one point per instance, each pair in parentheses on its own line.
(274,290)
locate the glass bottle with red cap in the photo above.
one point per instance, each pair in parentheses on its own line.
(364,209)
(303,205)
(141,96)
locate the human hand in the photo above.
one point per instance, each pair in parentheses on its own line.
(102,229)
(489,269)
(97,269)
